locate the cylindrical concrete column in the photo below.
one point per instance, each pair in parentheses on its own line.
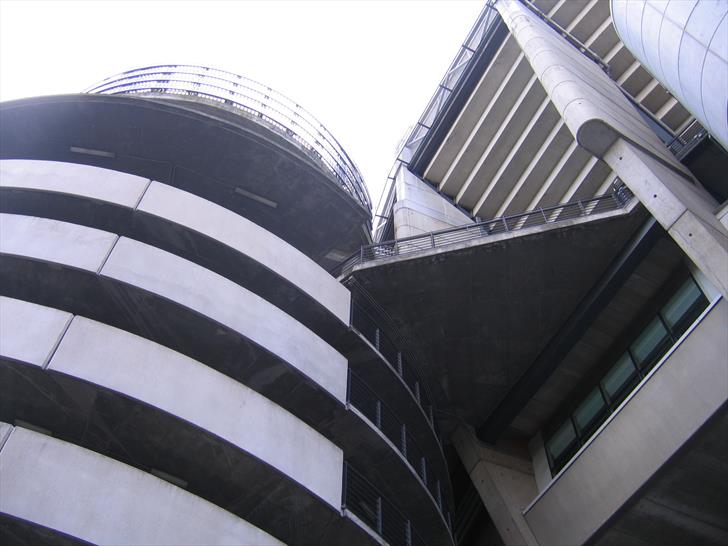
(684,44)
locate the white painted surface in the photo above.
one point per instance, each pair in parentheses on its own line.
(228,303)
(29,332)
(92,182)
(53,241)
(86,495)
(684,45)
(172,382)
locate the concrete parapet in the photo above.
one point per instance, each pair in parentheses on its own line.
(56,484)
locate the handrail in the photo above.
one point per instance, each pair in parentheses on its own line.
(371,329)
(363,398)
(616,199)
(255,99)
(362,499)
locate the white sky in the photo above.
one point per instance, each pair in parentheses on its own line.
(365,69)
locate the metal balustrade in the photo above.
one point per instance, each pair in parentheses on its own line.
(249,98)
(363,499)
(616,199)
(364,399)
(692,135)
(398,362)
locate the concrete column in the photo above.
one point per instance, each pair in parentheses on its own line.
(505,484)
(604,122)
(684,210)
(420,209)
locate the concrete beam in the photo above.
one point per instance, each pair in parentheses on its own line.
(505,484)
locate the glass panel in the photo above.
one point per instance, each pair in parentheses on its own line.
(589,410)
(681,302)
(562,439)
(618,376)
(643,349)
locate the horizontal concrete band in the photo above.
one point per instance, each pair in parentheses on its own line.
(182,223)
(153,374)
(242,166)
(182,282)
(94,361)
(61,486)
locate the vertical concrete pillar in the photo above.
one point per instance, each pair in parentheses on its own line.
(604,122)
(505,484)
(684,210)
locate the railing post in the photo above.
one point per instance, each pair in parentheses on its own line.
(581,207)
(505,224)
(361,255)
(348,386)
(404,440)
(432,240)
(344,485)
(546,220)
(379,515)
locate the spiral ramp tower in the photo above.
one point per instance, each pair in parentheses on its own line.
(177,366)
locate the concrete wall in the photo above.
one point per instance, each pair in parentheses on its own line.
(182,281)
(164,379)
(59,485)
(420,209)
(504,482)
(187,210)
(222,300)
(686,388)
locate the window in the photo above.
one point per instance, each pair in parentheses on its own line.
(587,414)
(562,445)
(619,378)
(646,349)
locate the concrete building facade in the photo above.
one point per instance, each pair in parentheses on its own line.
(201,326)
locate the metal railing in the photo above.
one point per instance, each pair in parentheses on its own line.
(365,400)
(252,99)
(616,199)
(395,358)
(364,500)
(689,137)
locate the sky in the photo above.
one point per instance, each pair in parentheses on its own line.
(365,69)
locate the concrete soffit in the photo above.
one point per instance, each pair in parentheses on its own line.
(591,104)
